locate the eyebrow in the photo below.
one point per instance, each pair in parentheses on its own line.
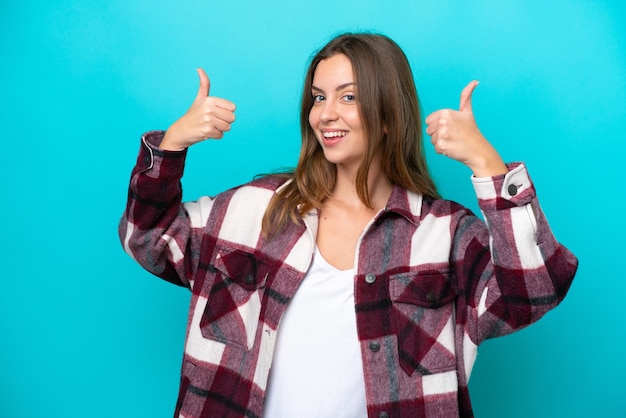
(341,87)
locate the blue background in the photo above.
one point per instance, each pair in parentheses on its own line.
(85,332)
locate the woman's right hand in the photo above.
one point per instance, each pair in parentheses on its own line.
(208,117)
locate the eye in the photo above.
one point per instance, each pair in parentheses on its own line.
(349,97)
(318,98)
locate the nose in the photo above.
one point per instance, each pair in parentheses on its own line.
(329,111)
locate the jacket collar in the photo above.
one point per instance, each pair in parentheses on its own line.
(401,201)
(405,203)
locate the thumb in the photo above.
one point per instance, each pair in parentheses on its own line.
(466,97)
(205,85)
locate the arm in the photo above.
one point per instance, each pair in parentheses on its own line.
(157,230)
(511,272)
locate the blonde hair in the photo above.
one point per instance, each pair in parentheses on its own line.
(389,109)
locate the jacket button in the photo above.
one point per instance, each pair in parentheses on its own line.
(374,346)
(370,278)
(431,297)
(512,189)
(249,279)
(383,415)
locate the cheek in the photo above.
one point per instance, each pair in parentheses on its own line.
(314,123)
(354,119)
(313,118)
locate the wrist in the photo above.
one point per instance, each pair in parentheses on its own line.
(169,143)
(488,166)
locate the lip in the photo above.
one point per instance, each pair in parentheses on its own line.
(332,140)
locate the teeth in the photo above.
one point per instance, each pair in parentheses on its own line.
(334,134)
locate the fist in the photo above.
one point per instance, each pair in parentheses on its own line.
(207,117)
(455,134)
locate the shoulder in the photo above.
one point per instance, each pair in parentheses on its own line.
(251,197)
(271,182)
(417,207)
(266,184)
(443,207)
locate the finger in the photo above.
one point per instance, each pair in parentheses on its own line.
(437,115)
(205,84)
(222,126)
(223,104)
(466,97)
(437,121)
(224,114)
(430,118)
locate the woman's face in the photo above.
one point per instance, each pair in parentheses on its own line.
(334,116)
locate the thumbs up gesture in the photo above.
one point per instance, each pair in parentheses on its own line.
(208,117)
(454,133)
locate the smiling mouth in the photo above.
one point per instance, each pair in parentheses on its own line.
(331,138)
(334,134)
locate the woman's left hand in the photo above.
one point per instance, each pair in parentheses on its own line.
(454,133)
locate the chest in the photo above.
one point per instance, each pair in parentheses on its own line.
(338,234)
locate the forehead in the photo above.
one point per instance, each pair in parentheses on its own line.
(333,71)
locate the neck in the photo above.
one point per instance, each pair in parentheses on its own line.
(378,185)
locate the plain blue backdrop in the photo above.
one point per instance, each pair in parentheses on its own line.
(85,332)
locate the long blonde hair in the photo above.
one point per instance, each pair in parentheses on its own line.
(389,109)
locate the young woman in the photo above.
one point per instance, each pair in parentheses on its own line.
(348,287)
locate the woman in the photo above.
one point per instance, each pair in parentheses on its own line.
(349,287)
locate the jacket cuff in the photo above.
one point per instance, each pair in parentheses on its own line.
(152,160)
(515,188)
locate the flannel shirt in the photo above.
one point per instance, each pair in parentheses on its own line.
(432,281)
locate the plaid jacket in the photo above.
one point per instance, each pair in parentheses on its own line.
(431,282)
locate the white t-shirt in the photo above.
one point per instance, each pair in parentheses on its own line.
(317,369)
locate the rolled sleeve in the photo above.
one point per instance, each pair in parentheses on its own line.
(515,188)
(152,159)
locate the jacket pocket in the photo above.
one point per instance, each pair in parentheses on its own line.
(233,308)
(423,315)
